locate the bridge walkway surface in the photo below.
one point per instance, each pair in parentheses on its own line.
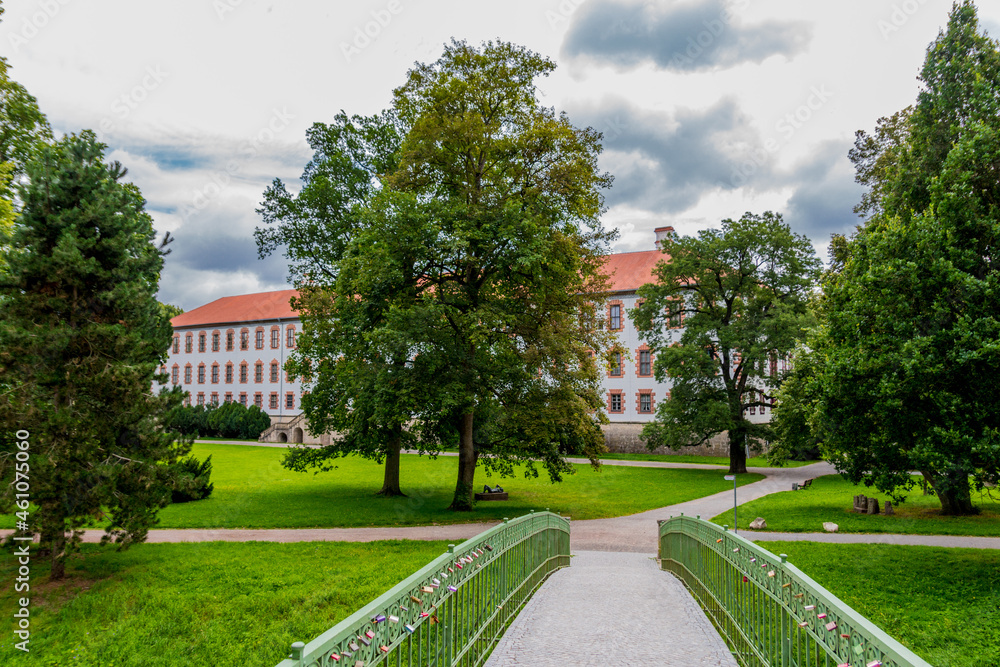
(611,609)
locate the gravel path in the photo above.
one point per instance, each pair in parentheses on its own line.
(611,609)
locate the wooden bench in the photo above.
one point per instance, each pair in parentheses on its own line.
(803,485)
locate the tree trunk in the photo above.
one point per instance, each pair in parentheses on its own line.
(52,541)
(737,453)
(390,484)
(952,489)
(466,468)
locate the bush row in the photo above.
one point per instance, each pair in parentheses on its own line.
(229,420)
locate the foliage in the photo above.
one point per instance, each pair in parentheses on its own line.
(755,462)
(81,339)
(830,498)
(193,480)
(171,311)
(230,420)
(907,359)
(940,603)
(742,293)
(225,604)
(795,402)
(460,234)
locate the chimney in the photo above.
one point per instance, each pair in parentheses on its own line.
(662,233)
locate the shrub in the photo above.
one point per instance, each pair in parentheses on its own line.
(193,481)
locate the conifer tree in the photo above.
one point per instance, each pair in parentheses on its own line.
(81,339)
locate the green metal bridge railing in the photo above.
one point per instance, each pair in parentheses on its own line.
(769,612)
(452,611)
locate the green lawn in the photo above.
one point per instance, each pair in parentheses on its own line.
(943,604)
(252,490)
(201,604)
(754,462)
(830,499)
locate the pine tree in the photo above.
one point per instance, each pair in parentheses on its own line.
(81,339)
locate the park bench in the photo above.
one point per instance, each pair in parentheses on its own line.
(492,494)
(804,485)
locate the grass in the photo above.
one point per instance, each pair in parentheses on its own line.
(202,604)
(943,604)
(252,490)
(830,498)
(754,462)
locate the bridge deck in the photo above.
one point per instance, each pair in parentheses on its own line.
(611,609)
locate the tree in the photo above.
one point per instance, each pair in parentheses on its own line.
(459,269)
(912,341)
(507,304)
(81,339)
(741,293)
(363,384)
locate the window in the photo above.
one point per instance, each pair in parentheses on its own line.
(272,401)
(675,314)
(229,373)
(275,337)
(163,373)
(615,404)
(243,399)
(259,339)
(188,342)
(230,336)
(229,397)
(201,398)
(645,402)
(645,367)
(258,400)
(215,373)
(177,344)
(243,373)
(175,374)
(201,373)
(187,374)
(214,399)
(289,401)
(201,342)
(215,342)
(274,372)
(616,365)
(774,365)
(615,316)
(258,372)
(290,337)
(245,339)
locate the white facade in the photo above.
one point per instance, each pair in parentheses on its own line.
(240,361)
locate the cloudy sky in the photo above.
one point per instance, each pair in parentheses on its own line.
(709,108)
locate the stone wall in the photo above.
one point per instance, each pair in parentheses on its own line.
(624,438)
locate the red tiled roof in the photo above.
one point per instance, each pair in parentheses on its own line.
(243,308)
(631,270)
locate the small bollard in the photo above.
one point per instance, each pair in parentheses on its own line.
(451,548)
(297,649)
(725,526)
(783,557)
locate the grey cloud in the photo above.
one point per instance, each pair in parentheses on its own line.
(825,194)
(687,37)
(667,163)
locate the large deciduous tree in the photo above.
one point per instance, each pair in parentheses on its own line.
(81,339)
(741,293)
(908,358)
(449,257)
(509,299)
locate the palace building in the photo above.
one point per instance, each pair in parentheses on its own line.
(234,349)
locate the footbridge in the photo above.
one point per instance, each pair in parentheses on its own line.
(515,595)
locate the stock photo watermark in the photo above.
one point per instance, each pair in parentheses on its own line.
(22,579)
(787,126)
(249,149)
(714,29)
(900,16)
(562,13)
(125,104)
(32,25)
(366,35)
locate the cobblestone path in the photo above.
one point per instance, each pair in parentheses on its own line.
(611,608)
